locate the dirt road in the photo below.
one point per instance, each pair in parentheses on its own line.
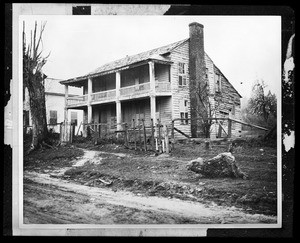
(50,200)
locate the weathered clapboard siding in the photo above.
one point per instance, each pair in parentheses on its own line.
(104,114)
(103,83)
(210,74)
(227,101)
(164,109)
(138,74)
(162,73)
(138,109)
(180,55)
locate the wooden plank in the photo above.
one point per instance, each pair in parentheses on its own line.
(177,130)
(145,136)
(125,136)
(248,124)
(152,136)
(229,128)
(134,134)
(222,128)
(159,136)
(173,135)
(140,138)
(167,139)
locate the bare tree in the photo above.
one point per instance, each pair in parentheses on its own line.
(204,108)
(33,79)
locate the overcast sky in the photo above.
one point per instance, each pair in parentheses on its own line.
(245,48)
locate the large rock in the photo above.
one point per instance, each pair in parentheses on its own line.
(222,165)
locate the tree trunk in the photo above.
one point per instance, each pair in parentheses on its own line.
(222,165)
(36,92)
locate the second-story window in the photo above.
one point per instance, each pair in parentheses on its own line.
(218,83)
(182,74)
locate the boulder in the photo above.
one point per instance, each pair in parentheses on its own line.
(222,165)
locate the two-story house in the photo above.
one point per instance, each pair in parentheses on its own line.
(157,84)
(55,103)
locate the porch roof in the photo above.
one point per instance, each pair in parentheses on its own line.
(154,54)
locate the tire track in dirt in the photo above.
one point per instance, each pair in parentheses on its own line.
(116,203)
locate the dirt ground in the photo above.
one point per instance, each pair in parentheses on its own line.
(109,184)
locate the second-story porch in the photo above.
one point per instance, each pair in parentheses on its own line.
(133,83)
(148,79)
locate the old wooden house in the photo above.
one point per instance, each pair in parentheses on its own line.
(158,84)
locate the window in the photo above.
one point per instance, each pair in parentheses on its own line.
(74,118)
(53,117)
(218,83)
(184,115)
(183,107)
(182,74)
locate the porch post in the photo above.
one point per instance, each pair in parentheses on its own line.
(153,108)
(119,115)
(152,77)
(152,93)
(90,88)
(66,102)
(118,84)
(118,102)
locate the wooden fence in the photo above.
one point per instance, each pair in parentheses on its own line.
(137,135)
(156,137)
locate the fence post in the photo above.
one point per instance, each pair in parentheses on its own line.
(134,134)
(152,136)
(145,136)
(229,127)
(125,137)
(167,139)
(140,138)
(172,135)
(159,136)
(220,131)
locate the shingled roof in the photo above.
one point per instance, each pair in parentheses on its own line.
(155,54)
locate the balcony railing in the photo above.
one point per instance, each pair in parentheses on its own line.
(78,100)
(125,92)
(104,95)
(162,87)
(135,89)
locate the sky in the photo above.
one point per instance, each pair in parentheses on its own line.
(244,48)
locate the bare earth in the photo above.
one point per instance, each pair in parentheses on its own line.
(52,200)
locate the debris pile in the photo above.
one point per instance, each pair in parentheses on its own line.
(222,165)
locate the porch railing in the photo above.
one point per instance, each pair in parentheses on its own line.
(135,89)
(162,86)
(78,100)
(104,95)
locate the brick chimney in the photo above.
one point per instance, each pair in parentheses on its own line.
(197,70)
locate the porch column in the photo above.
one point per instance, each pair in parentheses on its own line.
(152,77)
(66,102)
(119,115)
(90,88)
(153,108)
(118,84)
